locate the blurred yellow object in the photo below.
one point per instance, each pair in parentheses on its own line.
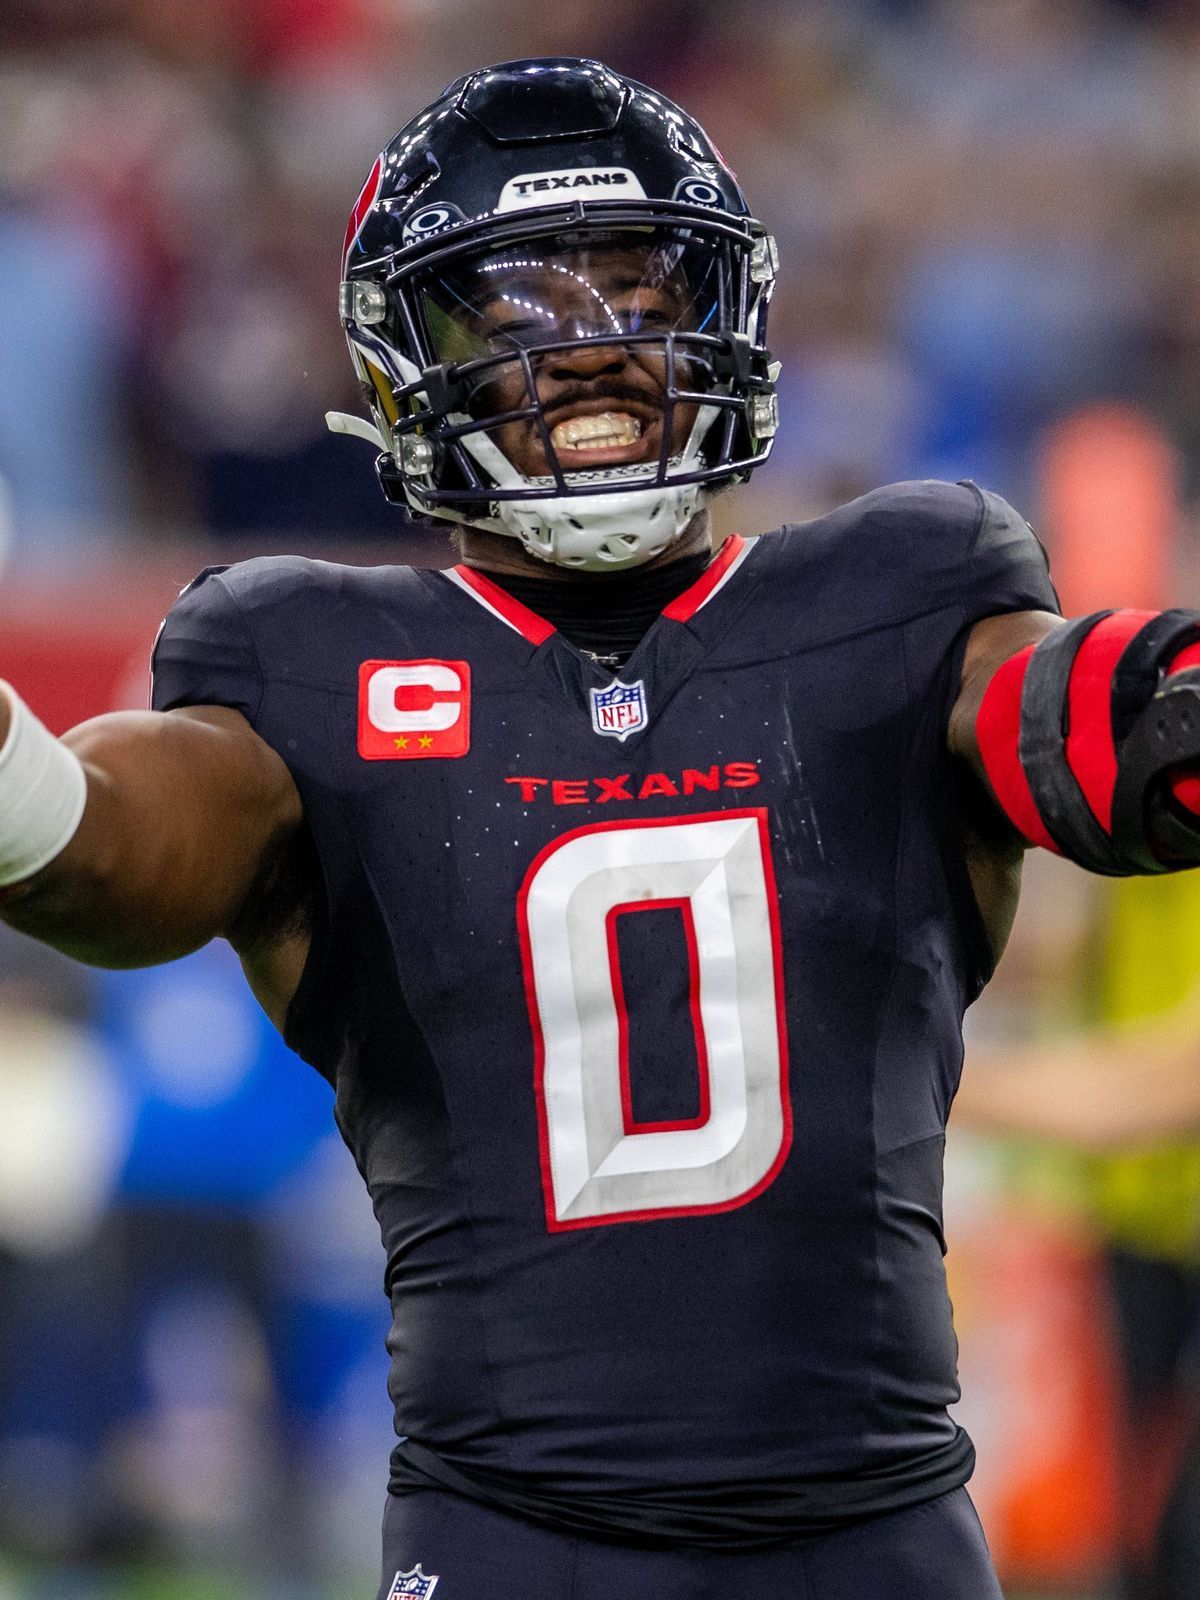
(1149,965)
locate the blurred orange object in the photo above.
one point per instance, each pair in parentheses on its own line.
(1039,1396)
(1109,492)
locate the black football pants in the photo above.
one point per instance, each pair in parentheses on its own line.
(934,1551)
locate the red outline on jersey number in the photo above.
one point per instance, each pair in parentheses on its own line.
(553,1224)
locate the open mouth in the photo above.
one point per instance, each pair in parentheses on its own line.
(613,437)
(608,431)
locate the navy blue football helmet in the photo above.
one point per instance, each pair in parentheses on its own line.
(551,216)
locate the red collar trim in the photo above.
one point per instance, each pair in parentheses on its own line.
(537,630)
(685,606)
(527,623)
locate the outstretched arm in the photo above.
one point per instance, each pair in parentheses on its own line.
(186,831)
(992,642)
(1086,734)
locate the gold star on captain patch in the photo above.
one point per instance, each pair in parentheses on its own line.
(401,744)
(426,740)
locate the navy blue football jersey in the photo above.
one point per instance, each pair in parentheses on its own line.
(642,998)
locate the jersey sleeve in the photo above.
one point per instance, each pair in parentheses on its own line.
(909,551)
(948,549)
(205,654)
(1003,568)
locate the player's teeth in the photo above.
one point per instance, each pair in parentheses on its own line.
(605,432)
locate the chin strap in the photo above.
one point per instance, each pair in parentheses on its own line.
(602,532)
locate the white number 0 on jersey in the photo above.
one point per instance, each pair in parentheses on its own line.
(597,1164)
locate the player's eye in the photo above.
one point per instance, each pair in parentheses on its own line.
(653,310)
(648,319)
(529,331)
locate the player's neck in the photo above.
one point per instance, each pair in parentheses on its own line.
(607,619)
(496,554)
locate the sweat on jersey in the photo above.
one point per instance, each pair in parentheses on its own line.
(642,999)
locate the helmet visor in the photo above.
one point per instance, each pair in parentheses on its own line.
(588,352)
(556,289)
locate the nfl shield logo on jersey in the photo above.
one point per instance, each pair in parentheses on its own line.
(620,709)
(412,1584)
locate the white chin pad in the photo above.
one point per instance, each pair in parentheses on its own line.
(602,532)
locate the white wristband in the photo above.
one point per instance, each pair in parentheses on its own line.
(43,792)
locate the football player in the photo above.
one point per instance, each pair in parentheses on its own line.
(629,893)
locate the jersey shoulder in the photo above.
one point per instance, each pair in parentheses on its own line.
(274,616)
(267,588)
(910,549)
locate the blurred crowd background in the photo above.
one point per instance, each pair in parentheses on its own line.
(988,214)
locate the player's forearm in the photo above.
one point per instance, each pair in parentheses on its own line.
(1085,733)
(180,813)
(96,901)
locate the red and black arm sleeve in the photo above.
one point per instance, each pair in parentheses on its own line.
(1091,741)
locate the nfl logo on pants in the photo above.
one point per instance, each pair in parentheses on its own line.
(413,1583)
(620,709)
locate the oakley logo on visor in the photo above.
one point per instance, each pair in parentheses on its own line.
(699,192)
(569,183)
(431,219)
